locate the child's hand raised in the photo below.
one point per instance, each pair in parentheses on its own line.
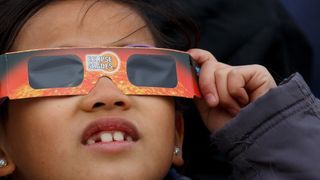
(226,88)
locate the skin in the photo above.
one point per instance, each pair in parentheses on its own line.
(42,138)
(226,89)
(42,132)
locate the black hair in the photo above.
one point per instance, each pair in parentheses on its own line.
(170,27)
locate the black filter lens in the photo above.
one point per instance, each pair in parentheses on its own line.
(152,71)
(55,71)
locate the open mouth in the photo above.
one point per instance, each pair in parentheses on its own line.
(110,131)
(106,136)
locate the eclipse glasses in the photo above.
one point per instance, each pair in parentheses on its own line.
(75,71)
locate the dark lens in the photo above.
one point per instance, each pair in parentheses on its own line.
(152,71)
(55,71)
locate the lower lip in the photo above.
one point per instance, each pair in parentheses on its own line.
(111,147)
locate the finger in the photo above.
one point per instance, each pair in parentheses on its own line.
(225,98)
(257,80)
(236,87)
(207,84)
(206,61)
(201,56)
(208,65)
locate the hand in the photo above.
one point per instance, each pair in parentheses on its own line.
(226,89)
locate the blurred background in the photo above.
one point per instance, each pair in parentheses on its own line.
(307,15)
(282,35)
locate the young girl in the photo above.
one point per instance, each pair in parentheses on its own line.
(106,134)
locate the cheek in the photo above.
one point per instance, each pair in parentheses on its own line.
(32,131)
(158,126)
(158,116)
(34,118)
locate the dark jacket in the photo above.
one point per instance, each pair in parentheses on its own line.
(275,137)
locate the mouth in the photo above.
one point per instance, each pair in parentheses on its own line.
(110,131)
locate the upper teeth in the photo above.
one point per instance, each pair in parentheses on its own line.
(106,137)
(109,137)
(118,136)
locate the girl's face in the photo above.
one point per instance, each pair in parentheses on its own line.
(102,135)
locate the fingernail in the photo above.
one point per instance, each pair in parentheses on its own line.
(211,99)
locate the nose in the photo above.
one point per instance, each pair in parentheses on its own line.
(105,95)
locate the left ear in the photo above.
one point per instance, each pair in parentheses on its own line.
(177,159)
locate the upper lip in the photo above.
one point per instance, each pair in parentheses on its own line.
(110,124)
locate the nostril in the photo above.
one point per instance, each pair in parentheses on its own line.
(98,104)
(119,103)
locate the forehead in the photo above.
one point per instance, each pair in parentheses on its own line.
(81,23)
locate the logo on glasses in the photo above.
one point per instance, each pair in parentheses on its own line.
(107,62)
